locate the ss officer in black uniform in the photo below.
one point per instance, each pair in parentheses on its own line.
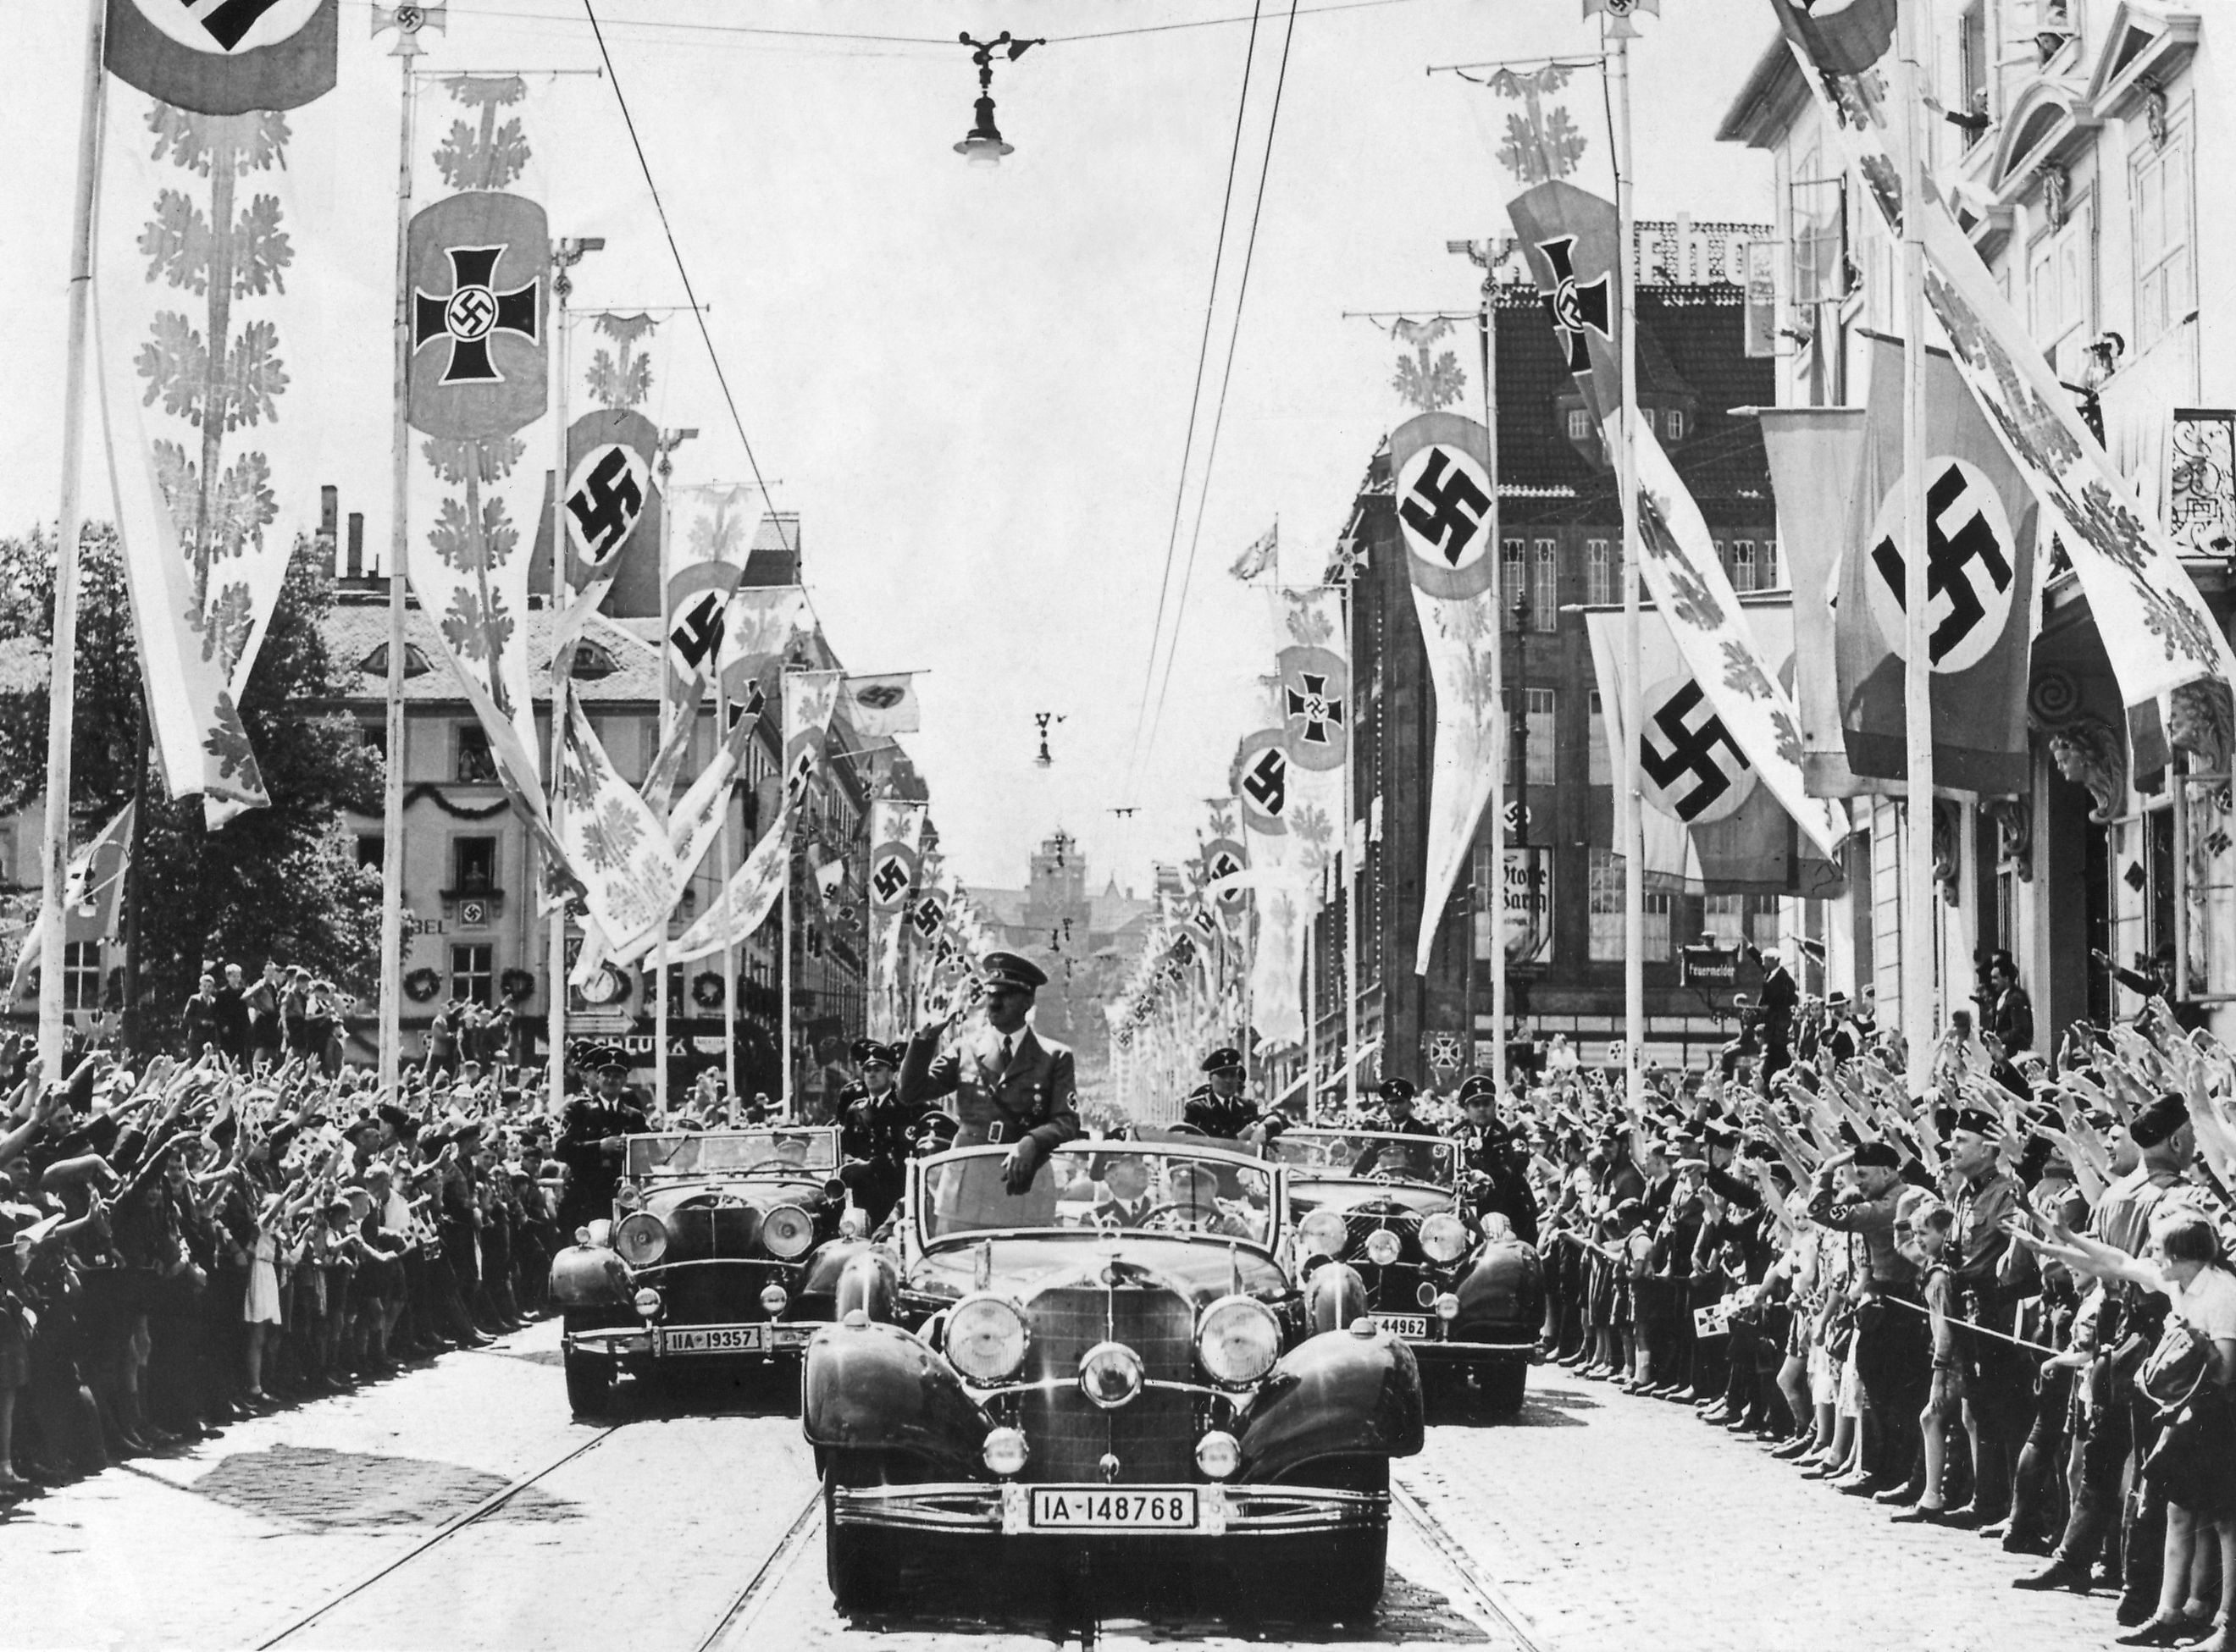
(1218,1107)
(1397,1116)
(874,1131)
(1487,1151)
(594,1136)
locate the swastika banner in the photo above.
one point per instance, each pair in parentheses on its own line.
(224,57)
(1813,453)
(895,839)
(1980,558)
(1439,464)
(1710,824)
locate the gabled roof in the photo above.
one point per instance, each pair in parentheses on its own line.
(356,633)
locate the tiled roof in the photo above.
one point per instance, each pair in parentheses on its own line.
(356,633)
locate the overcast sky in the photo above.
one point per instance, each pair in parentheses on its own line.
(972,386)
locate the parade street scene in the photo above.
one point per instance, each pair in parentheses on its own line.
(1119,823)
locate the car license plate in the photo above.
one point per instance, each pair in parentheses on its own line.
(1102,1508)
(1403,1324)
(716,1339)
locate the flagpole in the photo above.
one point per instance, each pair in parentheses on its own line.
(1918,972)
(1311,1022)
(555,945)
(1631,816)
(391,1054)
(1487,321)
(1351,871)
(727,849)
(784,920)
(62,694)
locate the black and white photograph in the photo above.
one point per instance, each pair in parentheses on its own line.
(911,825)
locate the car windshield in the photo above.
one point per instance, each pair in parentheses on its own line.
(1366,1155)
(1113,1187)
(734,1152)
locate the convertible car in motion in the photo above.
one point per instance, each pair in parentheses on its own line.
(723,1246)
(1116,1361)
(1383,1227)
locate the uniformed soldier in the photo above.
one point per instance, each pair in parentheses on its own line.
(1010,1085)
(857,1087)
(1397,1116)
(874,1131)
(1218,1107)
(594,1136)
(1487,1149)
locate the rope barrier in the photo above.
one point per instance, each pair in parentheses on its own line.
(1982,1330)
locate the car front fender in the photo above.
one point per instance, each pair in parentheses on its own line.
(1504,1289)
(588,1277)
(1338,1394)
(871,1387)
(1334,1297)
(870,1280)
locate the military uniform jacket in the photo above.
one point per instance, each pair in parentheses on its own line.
(1034,1096)
(1222,1116)
(594,1174)
(876,1128)
(1507,1191)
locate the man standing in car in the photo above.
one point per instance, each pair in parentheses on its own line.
(1217,1106)
(1009,1086)
(874,1133)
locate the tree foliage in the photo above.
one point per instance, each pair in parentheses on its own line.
(279,882)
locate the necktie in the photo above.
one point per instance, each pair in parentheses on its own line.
(1006,1047)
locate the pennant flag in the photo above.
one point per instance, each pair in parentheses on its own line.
(711,538)
(224,57)
(1710,824)
(1439,464)
(611,505)
(879,707)
(1980,568)
(896,861)
(758,628)
(746,901)
(93,896)
(1813,453)
(1568,237)
(830,878)
(1222,858)
(1261,554)
(476,387)
(2155,627)
(614,843)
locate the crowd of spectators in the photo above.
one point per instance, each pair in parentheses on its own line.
(2000,1307)
(191,1241)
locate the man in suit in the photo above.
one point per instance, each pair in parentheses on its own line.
(1130,1202)
(1781,996)
(1009,1086)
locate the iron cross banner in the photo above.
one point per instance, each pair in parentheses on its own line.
(223,57)
(478,301)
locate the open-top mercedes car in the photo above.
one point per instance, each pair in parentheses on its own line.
(724,1245)
(1116,1362)
(1381,1226)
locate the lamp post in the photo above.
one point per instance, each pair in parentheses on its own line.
(664,466)
(1519,789)
(982,146)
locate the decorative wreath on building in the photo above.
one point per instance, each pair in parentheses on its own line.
(706,989)
(422,984)
(517,984)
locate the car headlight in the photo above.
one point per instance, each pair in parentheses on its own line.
(1218,1454)
(1445,1237)
(1111,1374)
(986,1338)
(1323,1233)
(1238,1339)
(1005,1451)
(641,1238)
(787,1231)
(1383,1246)
(648,1303)
(774,1299)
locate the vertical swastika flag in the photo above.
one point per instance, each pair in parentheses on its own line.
(223,57)
(1980,577)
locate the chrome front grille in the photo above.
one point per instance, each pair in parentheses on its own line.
(1153,1437)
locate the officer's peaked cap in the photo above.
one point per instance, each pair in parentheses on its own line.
(1007,969)
(1224,1059)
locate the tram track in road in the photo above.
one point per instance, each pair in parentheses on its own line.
(1484,1595)
(489,1506)
(746,1605)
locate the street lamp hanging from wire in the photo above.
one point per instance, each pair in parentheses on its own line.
(982,146)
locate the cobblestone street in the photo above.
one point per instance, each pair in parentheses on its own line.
(1598,1522)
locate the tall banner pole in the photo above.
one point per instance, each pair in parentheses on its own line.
(562,595)
(1917,970)
(726,849)
(1488,321)
(62,692)
(1634,696)
(1350,874)
(399,600)
(785,1098)
(1311,1022)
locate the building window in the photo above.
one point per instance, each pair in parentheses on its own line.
(1602,573)
(1972,64)
(1601,760)
(473,865)
(2159,187)
(1672,421)
(1606,915)
(474,766)
(473,972)
(81,975)
(1580,424)
(1762,921)
(1722,921)
(1545,758)
(1740,563)
(1545,586)
(1509,578)
(1767,568)
(372,851)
